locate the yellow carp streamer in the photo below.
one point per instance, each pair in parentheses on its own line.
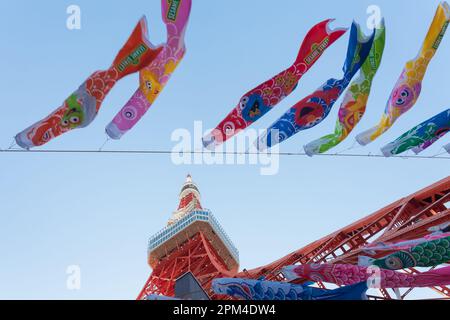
(409,85)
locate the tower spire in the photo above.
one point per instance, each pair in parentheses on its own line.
(189,200)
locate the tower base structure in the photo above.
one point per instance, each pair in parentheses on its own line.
(197,256)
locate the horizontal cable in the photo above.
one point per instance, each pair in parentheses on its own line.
(156,152)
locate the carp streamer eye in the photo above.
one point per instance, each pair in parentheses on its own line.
(244,102)
(129,113)
(400,101)
(65,123)
(74,120)
(394,263)
(403,96)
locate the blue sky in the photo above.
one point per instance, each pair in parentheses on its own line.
(97,211)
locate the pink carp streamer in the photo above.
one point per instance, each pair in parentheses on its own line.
(154,77)
(260,100)
(82,106)
(347,274)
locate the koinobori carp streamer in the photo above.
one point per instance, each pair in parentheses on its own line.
(355,99)
(372,248)
(427,254)
(314,108)
(257,102)
(408,87)
(248,289)
(154,77)
(421,136)
(82,106)
(441,133)
(348,274)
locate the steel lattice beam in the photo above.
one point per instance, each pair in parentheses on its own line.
(405,219)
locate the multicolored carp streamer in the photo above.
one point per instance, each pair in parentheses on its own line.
(405,245)
(80,109)
(430,142)
(427,254)
(154,77)
(257,102)
(310,111)
(268,290)
(409,85)
(355,100)
(347,274)
(421,136)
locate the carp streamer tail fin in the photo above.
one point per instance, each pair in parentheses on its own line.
(137,52)
(175,14)
(436,31)
(316,41)
(358,50)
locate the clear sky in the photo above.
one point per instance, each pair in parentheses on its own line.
(98,211)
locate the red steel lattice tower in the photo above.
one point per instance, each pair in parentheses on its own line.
(193,241)
(408,218)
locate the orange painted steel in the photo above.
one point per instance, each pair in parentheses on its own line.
(405,219)
(195,255)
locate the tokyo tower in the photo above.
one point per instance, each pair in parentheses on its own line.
(194,241)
